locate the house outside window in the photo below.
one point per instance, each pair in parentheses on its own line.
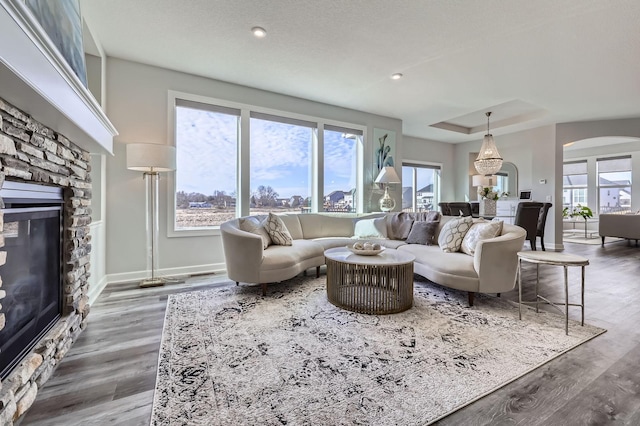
(614,184)
(420,187)
(341,158)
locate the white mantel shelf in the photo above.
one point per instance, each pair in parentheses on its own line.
(36,78)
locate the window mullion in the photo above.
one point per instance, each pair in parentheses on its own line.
(317,169)
(244,165)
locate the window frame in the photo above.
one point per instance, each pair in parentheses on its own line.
(425,165)
(600,187)
(572,188)
(243,161)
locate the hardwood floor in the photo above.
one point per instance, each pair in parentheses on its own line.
(108,376)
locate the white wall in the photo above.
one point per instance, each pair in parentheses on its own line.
(137,107)
(98,278)
(424,150)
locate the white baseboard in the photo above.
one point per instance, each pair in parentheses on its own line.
(96,289)
(553,247)
(127,277)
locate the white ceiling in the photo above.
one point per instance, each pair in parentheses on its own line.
(531,62)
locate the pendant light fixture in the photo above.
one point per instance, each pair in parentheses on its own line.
(489,160)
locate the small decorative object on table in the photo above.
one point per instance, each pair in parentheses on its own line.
(488,198)
(365,248)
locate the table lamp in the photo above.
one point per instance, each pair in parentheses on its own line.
(387,176)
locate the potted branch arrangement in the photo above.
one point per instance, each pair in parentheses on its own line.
(578,211)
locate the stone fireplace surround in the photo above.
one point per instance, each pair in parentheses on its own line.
(32,152)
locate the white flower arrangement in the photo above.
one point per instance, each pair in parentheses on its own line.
(487,192)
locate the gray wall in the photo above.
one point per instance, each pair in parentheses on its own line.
(424,150)
(538,155)
(138,109)
(534,154)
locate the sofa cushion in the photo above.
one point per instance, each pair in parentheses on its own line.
(278,231)
(456,264)
(481,230)
(399,225)
(255,226)
(387,243)
(332,242)
(423,233)
(452,234)
(321,225)
(280,257)
(429,216)
(371,228)
(292,223)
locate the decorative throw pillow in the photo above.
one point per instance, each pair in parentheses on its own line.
(478,232)
(453,232)
(399,225)
(256,226)
(371,228)
(423,233)
(278,231)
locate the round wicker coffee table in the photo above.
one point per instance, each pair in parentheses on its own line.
(380,284)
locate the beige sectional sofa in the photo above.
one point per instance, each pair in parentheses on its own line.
(619,225)
(492,269)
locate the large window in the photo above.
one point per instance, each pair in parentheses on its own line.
(232,160)
(280,164)
(206,158)
(614,184)
(420,187)
(341,169)
(574,184)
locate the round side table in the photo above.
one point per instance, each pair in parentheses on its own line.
(558,259)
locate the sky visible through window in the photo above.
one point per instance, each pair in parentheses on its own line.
(206,151)
(280,155)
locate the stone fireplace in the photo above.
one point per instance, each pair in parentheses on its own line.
(31,152)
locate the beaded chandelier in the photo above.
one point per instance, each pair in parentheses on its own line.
(489,160)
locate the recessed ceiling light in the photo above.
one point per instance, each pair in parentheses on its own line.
(259,32)
(396,76)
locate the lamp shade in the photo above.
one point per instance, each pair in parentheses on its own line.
(481,180)
(151,157)
(477,180)
(388,175)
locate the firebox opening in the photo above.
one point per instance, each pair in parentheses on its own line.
(32,273)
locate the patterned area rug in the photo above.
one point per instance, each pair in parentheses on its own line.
(232,357)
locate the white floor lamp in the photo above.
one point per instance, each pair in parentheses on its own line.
(151,159)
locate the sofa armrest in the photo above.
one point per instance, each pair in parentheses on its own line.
(619,225)
(243,253)
(496,261)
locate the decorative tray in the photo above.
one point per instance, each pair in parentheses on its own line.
(365,252)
